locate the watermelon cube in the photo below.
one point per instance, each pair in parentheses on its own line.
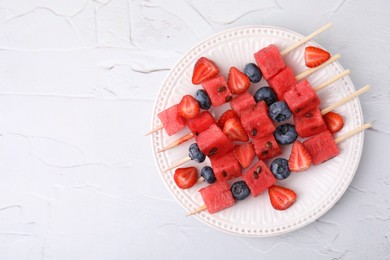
(266,147)
(310,123)
(321,147)
(259,178)
(301,98)
(226,167)
(218,90)
(256,122)
(217,196)
(171,120)
(242,102)
(200,122)
(269,61)
(213,142)
(261,107)
(282,82)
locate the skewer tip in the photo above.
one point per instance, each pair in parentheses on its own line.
(200,209)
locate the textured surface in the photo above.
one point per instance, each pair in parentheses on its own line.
(78,82)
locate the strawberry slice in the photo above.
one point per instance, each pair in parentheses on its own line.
(204,69)
(188,107)
(244,153)
(300,158)
(281,198)
(185,178)
(333,121)
(237,81)
(315,56)
(234,130)
(225,116)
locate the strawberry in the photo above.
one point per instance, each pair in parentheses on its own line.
(225,116)
(185,178)
(300,158)
(204,69)
(315,56)
(188,107)
(244,154)
(237,81)
(234,130)
(281,198)
(334,121)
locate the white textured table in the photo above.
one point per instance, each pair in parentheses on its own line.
(78,79)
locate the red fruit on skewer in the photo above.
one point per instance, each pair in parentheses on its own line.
(188,107)
(185,178)
(237,81)
(300,158)
(226,116)
(334,121)
(204,69)
(245,153)
(234,130)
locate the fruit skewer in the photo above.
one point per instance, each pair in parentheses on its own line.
(336,141)
(323,112)
(282,53)
(300,76)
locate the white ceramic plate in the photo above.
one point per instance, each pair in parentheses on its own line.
(318,189)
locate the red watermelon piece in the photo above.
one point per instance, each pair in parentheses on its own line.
(213,142)
(218,90)
(301,98)
(217,196)
(282,82)
(266,147)
(171,120)
(261,107)
(242,102)
(256,122)
(200,122)
(269,61)
(226,167)
(259,178)
(321,147)
(310,123)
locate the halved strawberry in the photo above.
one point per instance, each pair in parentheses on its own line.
(281,198)
(244,154)
(204,69)
(237,81)
(300,158)
(334,121)
(225,116)
(188,107)
(234,130)
(315,56)
(185,178)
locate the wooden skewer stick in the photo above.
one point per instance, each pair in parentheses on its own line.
(345,100)
(306,39)
(177,142)
(178,163)
(158,128)
(352,133)
(337,140)
(332,80)
(200,209)
(312,70)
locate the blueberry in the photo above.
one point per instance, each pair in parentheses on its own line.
(253,72)
(196,154)
(240,190)
(279,168)
(266,94)
(285,134)
(203,99)
(208,174)
(279,111)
